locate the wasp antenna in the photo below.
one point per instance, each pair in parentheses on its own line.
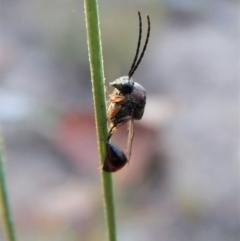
(138,45)
(144,48)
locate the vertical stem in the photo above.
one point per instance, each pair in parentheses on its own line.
(97,76)
(9,227)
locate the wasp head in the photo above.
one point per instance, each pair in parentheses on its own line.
(123,84)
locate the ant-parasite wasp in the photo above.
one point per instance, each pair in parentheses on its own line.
(127,102)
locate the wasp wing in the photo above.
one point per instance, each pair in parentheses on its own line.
(130,138)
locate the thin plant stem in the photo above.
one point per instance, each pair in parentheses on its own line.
(6,215)
(99,99)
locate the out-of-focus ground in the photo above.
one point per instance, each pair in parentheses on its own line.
(183,179)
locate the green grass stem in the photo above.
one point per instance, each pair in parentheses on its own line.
(6,214)
(99,99)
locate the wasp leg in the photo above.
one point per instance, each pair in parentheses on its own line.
(121,122)
(112,111)
(116,98)
(110,132)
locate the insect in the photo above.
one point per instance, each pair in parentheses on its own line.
(127,102)
(115,158)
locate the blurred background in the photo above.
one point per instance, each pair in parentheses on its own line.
(183,179)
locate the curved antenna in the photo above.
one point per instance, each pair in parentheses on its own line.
(138,45)
(144,48)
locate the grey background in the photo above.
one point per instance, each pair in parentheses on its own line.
(183,180)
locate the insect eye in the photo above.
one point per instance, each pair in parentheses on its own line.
(115,158)
(127,87)
(123,84)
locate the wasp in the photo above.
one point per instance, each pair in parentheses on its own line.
(128,100)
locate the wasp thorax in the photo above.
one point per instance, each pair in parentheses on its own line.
(123,84)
